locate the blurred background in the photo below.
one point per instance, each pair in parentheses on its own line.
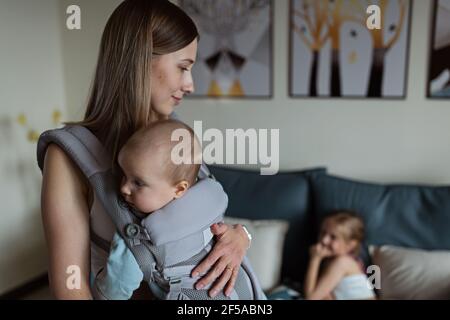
(46,72)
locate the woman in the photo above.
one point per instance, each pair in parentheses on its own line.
(144,67)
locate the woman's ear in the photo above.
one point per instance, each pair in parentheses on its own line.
(181,188)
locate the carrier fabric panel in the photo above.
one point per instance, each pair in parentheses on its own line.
(403,215)
(283,196)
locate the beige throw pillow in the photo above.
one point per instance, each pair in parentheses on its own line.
(412,274)
(266,250)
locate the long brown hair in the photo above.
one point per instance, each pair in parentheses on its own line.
(119,101)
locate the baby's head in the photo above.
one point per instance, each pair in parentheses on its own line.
(150,178)
(342,232)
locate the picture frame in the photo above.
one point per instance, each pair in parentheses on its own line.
(438,84)
(235,51)
(333,54)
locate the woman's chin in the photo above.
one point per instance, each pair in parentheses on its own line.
(163,112)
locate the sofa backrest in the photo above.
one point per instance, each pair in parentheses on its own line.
(412,216)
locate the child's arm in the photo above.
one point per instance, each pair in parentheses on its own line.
(316,252)
(323,287)
(121,275)
(311,275)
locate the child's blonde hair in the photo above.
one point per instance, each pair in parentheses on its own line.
(352,226)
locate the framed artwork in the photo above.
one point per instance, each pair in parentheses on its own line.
(333,53)
(234,57)
(439,65)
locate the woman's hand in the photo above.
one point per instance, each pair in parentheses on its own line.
(225,259)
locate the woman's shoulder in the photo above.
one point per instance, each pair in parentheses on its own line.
(55,156)
(58,164)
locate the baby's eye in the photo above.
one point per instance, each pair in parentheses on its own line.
(138,183)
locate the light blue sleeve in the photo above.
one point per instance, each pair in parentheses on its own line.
(121,275)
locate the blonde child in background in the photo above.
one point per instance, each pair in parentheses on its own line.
(335,270)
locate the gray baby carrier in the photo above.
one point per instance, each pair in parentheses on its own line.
(168,243)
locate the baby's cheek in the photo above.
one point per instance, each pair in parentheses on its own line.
(146,201)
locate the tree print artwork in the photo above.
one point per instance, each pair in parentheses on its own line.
(356,61)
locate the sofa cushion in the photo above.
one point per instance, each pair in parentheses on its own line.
(400,215)
(283,292)
(266,250)
(285,196)
(412,274)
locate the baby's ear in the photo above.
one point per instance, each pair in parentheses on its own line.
(181,188)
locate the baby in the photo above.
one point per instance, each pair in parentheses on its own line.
(335,271)
(152,178)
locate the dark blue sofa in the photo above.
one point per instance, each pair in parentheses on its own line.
(412,216)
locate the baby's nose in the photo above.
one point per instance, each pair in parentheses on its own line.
(125,190)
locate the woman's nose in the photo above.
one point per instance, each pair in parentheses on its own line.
(188,86)
(325,240)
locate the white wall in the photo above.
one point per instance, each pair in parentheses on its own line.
(384,141)
(80,49)
(31,81)
(378,140)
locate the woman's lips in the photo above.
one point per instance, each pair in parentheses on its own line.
(177,100)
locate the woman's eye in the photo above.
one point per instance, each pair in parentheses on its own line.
(184,69)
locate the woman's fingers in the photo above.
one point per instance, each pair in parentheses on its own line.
(206,264)
(212,275)
(228,251)
(231,282)
(220,284)
(218,229)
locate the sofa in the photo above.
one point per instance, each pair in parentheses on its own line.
(399,216)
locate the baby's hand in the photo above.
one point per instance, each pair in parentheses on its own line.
(319,251)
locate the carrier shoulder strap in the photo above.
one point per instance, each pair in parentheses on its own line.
(79,144)
(83,147)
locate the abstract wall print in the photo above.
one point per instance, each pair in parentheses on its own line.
(334,54)
(235,49)
(439,72)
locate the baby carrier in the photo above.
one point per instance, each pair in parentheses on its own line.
(166,244)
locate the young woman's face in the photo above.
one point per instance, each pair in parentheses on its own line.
(172,78)
(332,237)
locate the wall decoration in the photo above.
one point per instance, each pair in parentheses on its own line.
(334,54)
(235,49)
(33,134)
(439,69)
